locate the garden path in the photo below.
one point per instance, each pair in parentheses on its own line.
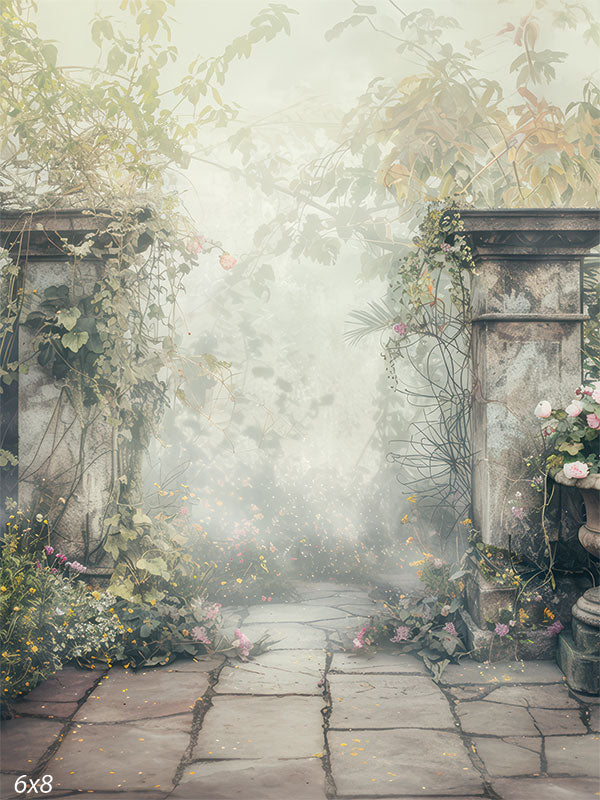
(270,728)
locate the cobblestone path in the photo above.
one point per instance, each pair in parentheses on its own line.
(267,730)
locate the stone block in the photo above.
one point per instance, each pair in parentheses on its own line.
(125,757)
(514,755)
(261,727)
(410,762)
(155,692)
(387,701)
(25,741)
(581,669)
(275,672)
(261,779)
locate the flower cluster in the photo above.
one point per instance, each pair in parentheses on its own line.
(573,433)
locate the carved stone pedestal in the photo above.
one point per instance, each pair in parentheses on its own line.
(527,320)
(579,651)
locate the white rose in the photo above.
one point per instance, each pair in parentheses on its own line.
(576,469)
(543,409)
(575,408)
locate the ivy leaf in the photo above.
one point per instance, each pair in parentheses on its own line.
(67,317)
(74,340)
(139,518)
(571,448)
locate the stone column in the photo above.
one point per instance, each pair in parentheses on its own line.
(65,449)
(527,327)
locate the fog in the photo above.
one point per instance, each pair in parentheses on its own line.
(295,435)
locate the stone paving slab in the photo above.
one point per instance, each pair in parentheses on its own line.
(574,755)
(471,672)
(285,612)
(552,722)
(46,709)
(127,695)
(373,764)
(25,740)
(275,672)
(121,757)
(206,663)
(547,789)
(518,755)
(393,663)
(499,720)
(264,779)
(67,685)
(554,696)
(261,727)
(287,635)
(387,701)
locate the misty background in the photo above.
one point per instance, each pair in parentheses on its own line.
(297,437)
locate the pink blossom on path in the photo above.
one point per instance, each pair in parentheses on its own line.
(501,629)
(199,634)
(593,420)
(543,409)
(576,469)
(358,643)
(213,611)
(402,634)
(243,643)
(400,328)
(227,261)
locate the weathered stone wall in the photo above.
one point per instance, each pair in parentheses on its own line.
(65,449)
(67,468)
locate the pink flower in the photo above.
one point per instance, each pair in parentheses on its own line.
(593,420)
(61,558)
(449,628)
(213,611)
(501,629)
(76,566)
(196,245)
(576,469)
(574,408)
(400,328)
(357,643)
(438,563)
(243,643)
(227,261)
(49,549)
(543,409)
(199,634)
(596,394)
(402,634)
(555,628)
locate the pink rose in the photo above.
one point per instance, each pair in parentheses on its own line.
(227,261)
(576,469)
(243,643)
(543,409)
(400,328)
(575,408)
(593,420)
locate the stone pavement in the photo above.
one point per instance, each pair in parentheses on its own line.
(269,729)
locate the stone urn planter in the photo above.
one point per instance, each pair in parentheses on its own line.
(578,652)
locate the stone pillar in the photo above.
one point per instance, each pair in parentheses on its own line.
(65,449)
(527,326)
